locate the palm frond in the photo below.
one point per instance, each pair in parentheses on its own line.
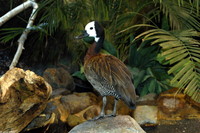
(182,14)
(8,34)
(182,51)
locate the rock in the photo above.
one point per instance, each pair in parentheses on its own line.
(23,96)
(82,106)
(41,121)
(61,110)
(122,108)
(84,115)
(192,102)
(149,99)
(60,91)
(170,102)
(145,114)
(59,78)
(54,115)
(71,109)
(90,107)
(118,124)
(173,106)
(79,101)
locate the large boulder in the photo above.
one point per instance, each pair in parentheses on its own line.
(118,124)
(23,96)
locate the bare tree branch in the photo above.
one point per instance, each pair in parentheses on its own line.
(15,11)
(24,35)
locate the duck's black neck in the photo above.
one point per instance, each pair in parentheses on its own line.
(99,44)
(94,49)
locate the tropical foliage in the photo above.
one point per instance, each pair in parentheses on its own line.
(149,75)
(170,26)
(180,48)
(182,52)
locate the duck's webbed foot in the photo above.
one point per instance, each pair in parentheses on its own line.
(110,115)
(97,118)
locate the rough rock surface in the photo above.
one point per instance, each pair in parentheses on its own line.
(69,110)
(145,114)
(173,106)
(79,101)
(52,119)
(149,99)
(118,124)
(23,96)
(59,78)
(122,108)
(43,120)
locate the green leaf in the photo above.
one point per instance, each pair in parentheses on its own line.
(187,68)
(172,50)
(170,44)
(138,75)
(152,86)
(159,89)
(145,89)
(133,55)
(138,78)
(177,58)
(79,75)
(178,66)
(135,26)
(8,34)
(165,24)
(110,48)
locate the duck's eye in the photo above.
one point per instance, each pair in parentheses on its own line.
(91,28)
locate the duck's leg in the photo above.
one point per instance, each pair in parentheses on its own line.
(114,109)
(102,113)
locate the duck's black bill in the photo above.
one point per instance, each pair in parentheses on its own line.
(85,34)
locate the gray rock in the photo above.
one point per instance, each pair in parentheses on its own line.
(118,124)
(146,114)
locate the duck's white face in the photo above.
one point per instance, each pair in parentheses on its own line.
(91,30)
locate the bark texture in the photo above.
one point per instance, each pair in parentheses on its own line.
(23,96)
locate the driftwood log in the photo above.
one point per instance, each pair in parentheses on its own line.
(23,96)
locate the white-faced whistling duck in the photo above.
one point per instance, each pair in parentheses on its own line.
(107,74)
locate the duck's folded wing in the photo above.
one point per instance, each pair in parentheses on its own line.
(113,74)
